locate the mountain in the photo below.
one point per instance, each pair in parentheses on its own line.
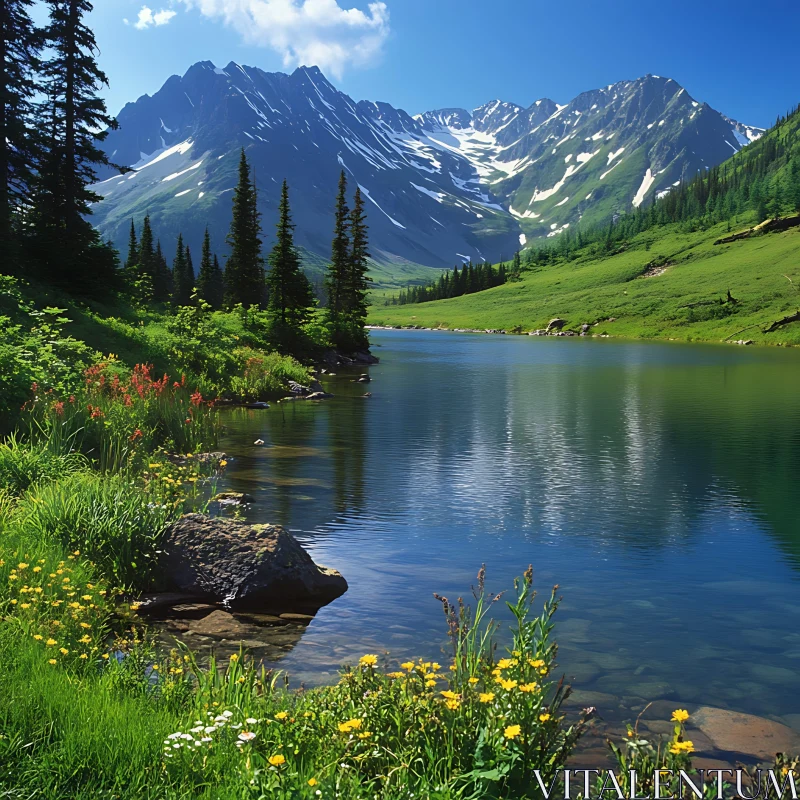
(442,187)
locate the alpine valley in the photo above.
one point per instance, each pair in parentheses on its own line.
(444,186)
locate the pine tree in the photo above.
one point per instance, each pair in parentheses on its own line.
(145,275)
(204,276)
(162,276)
(181,288)
(358,281)
(216,289)
(133,251)
(244,270)
(70,250)
(19,50)
(336,280)
(290,295)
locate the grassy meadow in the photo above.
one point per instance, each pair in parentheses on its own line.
(609,293)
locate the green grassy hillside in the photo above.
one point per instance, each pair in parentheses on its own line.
(762,273)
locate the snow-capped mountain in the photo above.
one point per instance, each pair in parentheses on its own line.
(442,187)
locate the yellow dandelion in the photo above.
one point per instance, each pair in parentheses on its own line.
(85,639)
(22,565)
(37,569)
(104,656)
(368,660)
(512,731)
(38,637)
(486,697)
(51,642)
(277,760)
(85,625)
(680,715)
(24,605)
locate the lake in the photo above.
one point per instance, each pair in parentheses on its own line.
(658,484)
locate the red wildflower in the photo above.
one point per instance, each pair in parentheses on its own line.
(188,420)
(59,408)
(34,386)
(137,434)
(72,398)
(196,399)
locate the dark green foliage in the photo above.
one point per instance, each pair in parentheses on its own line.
(358,280)
(290,296)
(19,49)
(162,277)
(471,278)
(244,271)
(210,285)
(337,275)
(73,123)
(132,260)
(182,275)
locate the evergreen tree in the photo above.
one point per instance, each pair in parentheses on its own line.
(336,281)
(181,279)
(216,290)
(69,249)
(244,270)
(163,274)
(290,295)
(205,277)
(133,251)
(19,49)
(516,268)
(145,274)
(358,280)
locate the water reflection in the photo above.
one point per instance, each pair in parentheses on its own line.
(656,483)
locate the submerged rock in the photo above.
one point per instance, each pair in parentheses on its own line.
(745,733)
(233,498)
(258,567)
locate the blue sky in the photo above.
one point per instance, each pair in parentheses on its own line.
(741,57)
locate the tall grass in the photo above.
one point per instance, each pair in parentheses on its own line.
(25,463)
(109,519)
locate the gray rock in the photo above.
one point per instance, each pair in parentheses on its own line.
(233,498)
(261,567)
(556,324)
(745,733)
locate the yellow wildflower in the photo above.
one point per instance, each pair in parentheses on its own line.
(234,658)
(85,625)
(364,735)
(52,661)
(544,717)
(528,687)
(281,715)
(368,660)
(22,565)
(395,675)
(473,680)
(350,725)
(311,781)
(276,760)
(407,665)
(681,747)
(680,715)
(449,695)
(38,637)
(83,655)
(504,663)
(486,697)
(452,704)
(507,685)
(512,731)
(37,569)
(537,663)
(430,683)
(51,642)
(85,639)
(64,651)
(25,605)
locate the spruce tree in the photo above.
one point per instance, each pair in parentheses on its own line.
(290,296)
(145,274)
(204,277)
(216,289)
(358,280)
(181,282)
(133,250)
(244,270)
(162,276)
(337,278)
(19,49)
(76,121)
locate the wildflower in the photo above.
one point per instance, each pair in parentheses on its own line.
(473,680)
(364,735)
(86,597)
(276,760)
(84,656)
(680,715)
(312,781)
(64,651)
(453,704)
(504,663)
(486,697)
(52,661)
(452,668)
(350,725)
(22,565)
(51,642)
(395,675)
(38,637)
(368,660)
(544,717)
(507,685)
(407,665)
(224,463)
(430,684)
(37,569)
(512,731)
(537,663)
(281,715)
(25,605)
(104,656)
(528,687)
(85,625)
(449,695)
(681,747)
(246,736)
(251,721)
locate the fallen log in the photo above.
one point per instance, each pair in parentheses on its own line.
(781,322)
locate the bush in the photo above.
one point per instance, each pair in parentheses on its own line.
(23,464)
(109,519)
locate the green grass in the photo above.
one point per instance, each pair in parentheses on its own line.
(763,273)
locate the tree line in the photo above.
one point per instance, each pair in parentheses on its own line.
(469,279)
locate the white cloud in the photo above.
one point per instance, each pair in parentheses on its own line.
(148,17)
(311,32)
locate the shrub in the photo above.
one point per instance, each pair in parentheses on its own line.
(107,518)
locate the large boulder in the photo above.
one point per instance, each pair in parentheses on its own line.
(241,566)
